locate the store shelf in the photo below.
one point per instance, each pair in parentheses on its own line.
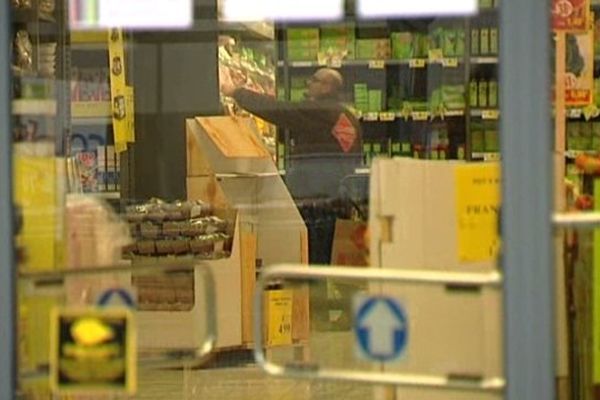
(415,116)
(34,107)
(484,60)
(449,62)
(486,156)
(91,109)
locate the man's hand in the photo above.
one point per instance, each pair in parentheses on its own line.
(226,83)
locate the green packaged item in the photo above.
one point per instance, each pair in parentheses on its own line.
(483,94)
(396,149)
(436,38)
(484,41)
(373,49)
(493,94)
(573,142)
(449,40)
(375,101)
(586,136)
(460,152)
(302,34)
(406,149)
(473,94)
(367,153)
(477,139)
(302,54)
(491,138)
(377,149)
(460,42)
(494,41)
(402,45)
(475,42)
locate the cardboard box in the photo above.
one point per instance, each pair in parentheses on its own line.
(440,217)
(432,223)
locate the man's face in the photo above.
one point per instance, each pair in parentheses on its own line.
(317,86)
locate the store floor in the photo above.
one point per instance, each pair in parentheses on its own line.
(247,382)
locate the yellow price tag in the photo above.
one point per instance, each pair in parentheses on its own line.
(387,116)
(450,62)
(490,114)
(420,115)
(377,64)
(372,116)
(416,63)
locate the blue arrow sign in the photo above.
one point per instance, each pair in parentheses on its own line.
(381,328)
(116,296)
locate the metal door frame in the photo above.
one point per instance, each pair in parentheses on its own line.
(8,351)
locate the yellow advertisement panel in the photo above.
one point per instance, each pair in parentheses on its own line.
(478,206)
(118,90)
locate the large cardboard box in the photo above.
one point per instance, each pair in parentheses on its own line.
(440,217)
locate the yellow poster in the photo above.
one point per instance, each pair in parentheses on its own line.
(118,89)
(279,314)
(477,208)
(35,186)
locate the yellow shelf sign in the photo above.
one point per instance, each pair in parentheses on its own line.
(477,211)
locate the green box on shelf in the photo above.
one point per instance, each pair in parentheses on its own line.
(493,94)
(491,138)
(449,42)
(402,45)
(484,41)
(475,43)
(303,34)
(483,94)
(573,142)
(494,41)
(474,93)
(373,49)
(375,100)
(477,138)
(586,136)
(460,42)
(299,54)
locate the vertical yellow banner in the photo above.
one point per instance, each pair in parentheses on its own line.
(118,89)
(478,205)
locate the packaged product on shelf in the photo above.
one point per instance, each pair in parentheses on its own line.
(460,42)
(367,153)
(436,38)
(573,142)
(477,138)
(177,229)
(475,47)
(483,93)
(361,96)
(402,48)
(373,49)
(302,44)
(473,93)
(494,41)
(449,41)
(491,137)
(484,41)
(586,136)
(453,97)
(493,94)
(23,50)
(338,42)
(375,101)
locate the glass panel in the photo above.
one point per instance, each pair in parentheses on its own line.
(158,171)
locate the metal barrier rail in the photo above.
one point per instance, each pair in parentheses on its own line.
(312,371)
